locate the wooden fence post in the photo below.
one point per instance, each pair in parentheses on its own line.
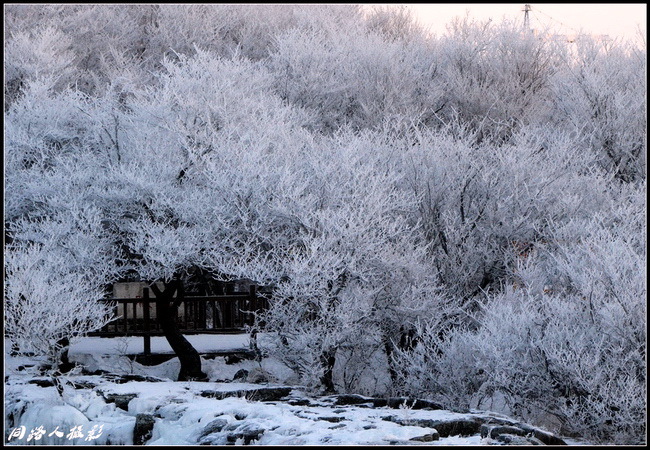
(252,291)
(229,289)
(145,316)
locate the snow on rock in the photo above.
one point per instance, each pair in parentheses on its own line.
(53,418)
(177,413)
(144,424)
(141,407)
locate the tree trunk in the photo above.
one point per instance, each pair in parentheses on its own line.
(327,360)
(167,310)
(407,342)
(63,364)
(388,348)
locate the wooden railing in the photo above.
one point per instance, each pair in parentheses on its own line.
(229,313)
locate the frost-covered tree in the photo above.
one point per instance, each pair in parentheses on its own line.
(315,219)
(464,211)
(59,258)
(568,341)
(56,271)
(600,95)
(360,76)
(344,259)
(496,77)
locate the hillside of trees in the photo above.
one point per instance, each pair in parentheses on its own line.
(454,217)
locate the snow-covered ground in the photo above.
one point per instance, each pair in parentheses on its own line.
(182,416)
(104,410)
(203,343)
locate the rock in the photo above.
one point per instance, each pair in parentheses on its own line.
(445,428)
(42,382)
(120,400)
(462,427)
(213,427)
(143,427)
(411,403)
(83,385)
(269,394)
(331,419)
(352,399)
(121,379)
(534,440)
(427,437)
(85,371)
(252,436)
(547,438)
(246,431)
(213,439)
(263,394)
(233,359)
(492,431)
(544,436)
(258,375)
(494,427)
(512,439)
(379,402)
(240,375)
(220,395)
(392,402)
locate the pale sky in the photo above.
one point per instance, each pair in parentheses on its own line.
(613,19)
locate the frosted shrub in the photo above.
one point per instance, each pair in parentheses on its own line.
(574,351)
(496,77)
(45,306)
(32,56)
(481,208)
(600,95)
(248,30)
(460,218)
(357,79)
(394,23)
(342,252)
(45,127)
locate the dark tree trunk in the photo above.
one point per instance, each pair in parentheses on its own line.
(63,364)
(407,342)
(167,310)
(328,359)
(388,348)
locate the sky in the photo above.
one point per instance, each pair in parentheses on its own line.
(613,19)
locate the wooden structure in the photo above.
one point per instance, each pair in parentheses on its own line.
(219,314)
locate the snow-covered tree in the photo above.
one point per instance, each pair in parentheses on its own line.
(600,95)
(56,271)
(568,340)
(496,77)
(432,204)
(343,257)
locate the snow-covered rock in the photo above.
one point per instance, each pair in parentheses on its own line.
(141,408)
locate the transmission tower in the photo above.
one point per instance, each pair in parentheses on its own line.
(526,10)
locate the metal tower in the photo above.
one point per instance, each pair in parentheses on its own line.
(526,10)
